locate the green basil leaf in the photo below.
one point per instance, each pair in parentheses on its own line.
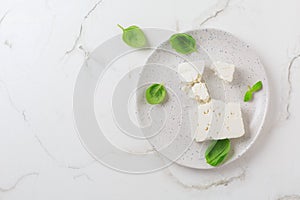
(248,96)
(183,43)
(257,86)
(155,94)
(217,151)
(133,36)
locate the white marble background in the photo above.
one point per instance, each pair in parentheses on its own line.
(43,44)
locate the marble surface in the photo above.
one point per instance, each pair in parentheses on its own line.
(43,44)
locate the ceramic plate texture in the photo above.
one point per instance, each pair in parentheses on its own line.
(181,112)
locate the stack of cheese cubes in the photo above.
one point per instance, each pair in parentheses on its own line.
(216,119)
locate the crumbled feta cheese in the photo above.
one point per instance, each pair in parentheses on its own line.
(200,92)
(190,71)
(224,70)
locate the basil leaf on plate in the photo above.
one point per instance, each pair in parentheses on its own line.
(155,94)
(248,96)
(183,43)
(255,88)
(133,36)
(217,151)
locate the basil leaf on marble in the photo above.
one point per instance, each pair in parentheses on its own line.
(133,36)
(156,94)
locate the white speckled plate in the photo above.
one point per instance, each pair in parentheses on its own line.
(213,45)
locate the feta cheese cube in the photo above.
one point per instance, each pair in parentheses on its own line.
(200,92)
(224,70)
(218,120)
(190,71)
(233,126)
(210,120)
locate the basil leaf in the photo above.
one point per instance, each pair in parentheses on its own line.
(183,43)
(248,96)
(217,151)
(155,94)
(133,36)
(257,86)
